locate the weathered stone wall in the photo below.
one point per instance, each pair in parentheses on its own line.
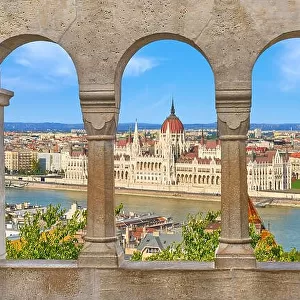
(136,281)
(101,36)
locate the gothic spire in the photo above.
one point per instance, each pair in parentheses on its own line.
(172,107)
(136,134)
(202,137)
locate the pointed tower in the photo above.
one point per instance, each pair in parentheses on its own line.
(172,107)
(136,141)
(202,137)
(129,138)
(172,131)
(136,134)
(175,124)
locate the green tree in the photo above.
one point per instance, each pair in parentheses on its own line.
(47,235)
(268,250)
(118,209)
(136,256)
(200,244)
(35,167)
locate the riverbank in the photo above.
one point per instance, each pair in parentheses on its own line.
(124,191)
(277,199)
(288,198)
(56,186)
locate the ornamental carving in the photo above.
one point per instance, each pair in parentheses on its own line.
(100,123)
(233,123)
(100,114)
(233,110)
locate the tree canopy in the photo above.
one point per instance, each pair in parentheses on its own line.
(200,244)
(47,235)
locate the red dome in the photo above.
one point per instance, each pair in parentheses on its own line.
(175,125)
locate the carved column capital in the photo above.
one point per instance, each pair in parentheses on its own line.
(5,96)
(100,124)
(233,109)
(100,113)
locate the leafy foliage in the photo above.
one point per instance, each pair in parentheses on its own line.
(46,235)
(36,167)
(267,250)
(136,256)
(200,244)
(296,184)
(118,209)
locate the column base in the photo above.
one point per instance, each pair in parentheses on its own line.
(235,256)
(101,255)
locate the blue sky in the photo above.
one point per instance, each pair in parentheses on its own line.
(44,80)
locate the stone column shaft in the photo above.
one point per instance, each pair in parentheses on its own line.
(235,211)
(234,251)
(5,96)
(100,115)
(101,219)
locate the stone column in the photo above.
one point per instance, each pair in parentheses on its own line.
(100,115)
(234,251)
(5,96)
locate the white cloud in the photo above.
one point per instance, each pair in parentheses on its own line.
(139,65)
(23,62)
(19,83)
(63,70)
(39,66)
(289,64)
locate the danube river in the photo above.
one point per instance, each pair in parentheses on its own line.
(284,222)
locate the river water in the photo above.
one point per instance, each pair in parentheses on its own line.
(284,222)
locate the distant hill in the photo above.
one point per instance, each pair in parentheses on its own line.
(40,127)
(286,126)
(123,127)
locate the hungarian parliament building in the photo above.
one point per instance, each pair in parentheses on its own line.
(171,162)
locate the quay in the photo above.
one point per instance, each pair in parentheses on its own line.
(279,198)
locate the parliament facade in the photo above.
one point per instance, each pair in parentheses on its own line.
(173,163)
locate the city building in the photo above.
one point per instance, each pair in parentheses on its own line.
(76,169)
(175,164)
(11,161)
(50,161)
(269,171)
(101,37)
(21,160)
(295,162)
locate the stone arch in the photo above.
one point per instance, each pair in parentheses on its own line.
(13,42)
(143,41)
(186,178)
(274,40)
